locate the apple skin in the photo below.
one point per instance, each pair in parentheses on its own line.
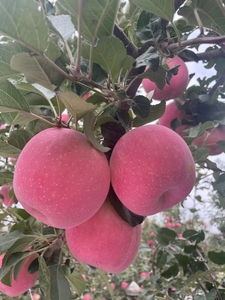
(24,281)
(178,83)
(60,179)
(152,169)
(105,241)
(4,191)
(210,138)
(172,112)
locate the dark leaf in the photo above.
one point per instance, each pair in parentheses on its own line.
(59,286)
(141,106)
(112,132)
(161,259)
(183,261)
(124,212)
(156,111)
(171,271)
(149,27)
(194,236)
(7,240)
(217,257)
(219,185)
(149,58)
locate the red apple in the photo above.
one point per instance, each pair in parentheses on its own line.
(171,113)
(4,192)
(151,243)
(210,138)
(124,284)
(152,233)
(170,225)
(24,281)
(144,275)
(105,241)
(86,297)
(152,169)
(178,225)
(178,83)
(60,179)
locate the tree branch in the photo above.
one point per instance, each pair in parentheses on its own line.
(192,42)
(132,50)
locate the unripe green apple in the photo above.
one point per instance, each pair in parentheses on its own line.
(5,199)
(105,241)
(60,179)
(178,83)
(171,113)
(152,169)
(24,281)
(210,138)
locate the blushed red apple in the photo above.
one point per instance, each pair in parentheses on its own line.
(178,83)
(24,281)
(210,138)
(152,169)
(60,179)
(171,113)
(4,193)
(105,241)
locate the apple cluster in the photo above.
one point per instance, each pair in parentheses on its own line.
(63,181)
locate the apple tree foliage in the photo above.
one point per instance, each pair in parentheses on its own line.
(53,54)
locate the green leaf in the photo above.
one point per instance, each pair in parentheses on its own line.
(161,259)
(20,245)
(194,236)
(7,150)
(76,106)
(97,19)
(212,295)
(171,271)
(75,280)
(7,240)
(162,8)
(18,139)
(211,15)
(158,77)
(10,263)
(149,27)
(5,177)
(7,50)
(199,275)
(111,55)
(200,153)
(59,286)
(183,261)
(22,21)
(34,69)
(219,185)
(217,257)
(156,111)
(44,277)
(11,99)
(89,121)
(141,106)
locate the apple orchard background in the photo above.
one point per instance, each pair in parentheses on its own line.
(80,65)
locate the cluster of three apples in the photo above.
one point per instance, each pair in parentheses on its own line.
(63,181)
